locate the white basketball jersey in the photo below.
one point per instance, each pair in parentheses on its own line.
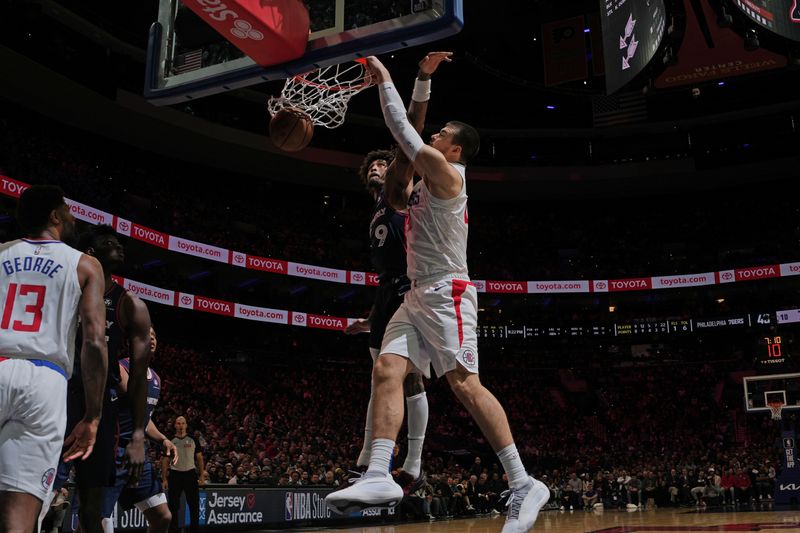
(436,232)
(39,295)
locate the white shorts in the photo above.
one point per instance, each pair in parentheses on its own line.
(33,416)
(436,325)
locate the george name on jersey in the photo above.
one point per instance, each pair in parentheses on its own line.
(43,266)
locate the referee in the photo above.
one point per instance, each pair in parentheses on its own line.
(183,476)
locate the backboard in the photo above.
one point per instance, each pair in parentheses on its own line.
(187,59)
(759,391)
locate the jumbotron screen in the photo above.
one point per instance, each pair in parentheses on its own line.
(778,16)
(632,32)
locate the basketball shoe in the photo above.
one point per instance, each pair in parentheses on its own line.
(411,484)
(524,505)
(366,491)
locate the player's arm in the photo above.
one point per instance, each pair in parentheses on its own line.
(152,432)
(94,357)
(201,463)
(164,470)
(400,174)
(441,178)
(136,324)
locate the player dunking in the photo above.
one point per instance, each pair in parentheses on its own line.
(44,287)
(127,328)
(387,250)
(436,323)
(147,495)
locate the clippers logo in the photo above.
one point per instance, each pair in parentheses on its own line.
(244,30)
(470,358)
(48,477)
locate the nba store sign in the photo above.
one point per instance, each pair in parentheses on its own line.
(305,506)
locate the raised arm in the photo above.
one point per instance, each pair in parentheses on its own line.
(94,357)
(136,323)
(442,179)
(400,174)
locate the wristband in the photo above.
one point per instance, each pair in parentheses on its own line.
(422,90)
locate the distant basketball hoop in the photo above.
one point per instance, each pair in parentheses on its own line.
(323,94)
(776,407)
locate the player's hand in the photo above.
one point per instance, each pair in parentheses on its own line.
(170,451)
(80,442)
(431,62)
(134,458)
(361,325)
(202,480)
(379,72)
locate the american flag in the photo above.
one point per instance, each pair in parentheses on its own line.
(616,109)
(187,62)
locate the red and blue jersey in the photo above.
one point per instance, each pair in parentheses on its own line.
(153,393)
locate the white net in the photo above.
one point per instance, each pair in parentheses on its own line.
(323,94)
(776,408)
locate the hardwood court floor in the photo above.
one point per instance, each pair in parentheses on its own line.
(655,521)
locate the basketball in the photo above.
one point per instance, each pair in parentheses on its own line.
(291,129)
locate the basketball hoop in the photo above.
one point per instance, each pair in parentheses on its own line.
(323,94)
(776,408)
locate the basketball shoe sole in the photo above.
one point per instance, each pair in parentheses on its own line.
(373,491)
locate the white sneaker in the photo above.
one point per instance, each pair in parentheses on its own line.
(524,505)
(372,491)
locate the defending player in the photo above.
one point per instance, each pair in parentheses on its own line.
(387,250)
(436,323)
(147,495)
(44,287)
(127,325)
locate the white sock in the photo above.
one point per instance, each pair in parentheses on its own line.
(417,423)
(381,457)
(363,457)
(512,464)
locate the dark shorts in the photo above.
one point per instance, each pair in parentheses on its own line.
(149,485)
(99,470)
(387,301)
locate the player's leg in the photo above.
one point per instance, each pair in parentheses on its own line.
(376,487)
(453,305)
(32,420)
(113,494)
(417,406)
(97,473)
(18,512)
(159,518)
(149,498)
(193,500)
(366,447)
(174,490)
(387,302)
